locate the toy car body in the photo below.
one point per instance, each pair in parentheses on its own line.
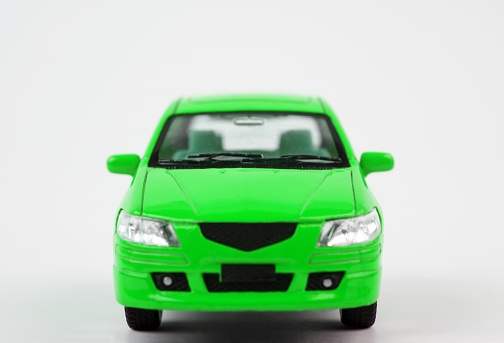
(248,203)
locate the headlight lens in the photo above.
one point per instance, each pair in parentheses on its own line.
(146,231)
(349,231)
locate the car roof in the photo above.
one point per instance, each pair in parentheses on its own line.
(250,102)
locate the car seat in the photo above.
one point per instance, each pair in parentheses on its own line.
(201,142)
(298,142)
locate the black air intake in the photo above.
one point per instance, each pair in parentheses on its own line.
(280,284)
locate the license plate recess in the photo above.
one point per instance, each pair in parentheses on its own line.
(247,272)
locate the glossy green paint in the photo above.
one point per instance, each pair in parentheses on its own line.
(123,164)
(250,103)
(375,162)
(189,196)
(134,286)
(248,195)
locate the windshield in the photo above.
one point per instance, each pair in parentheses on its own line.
(248,139)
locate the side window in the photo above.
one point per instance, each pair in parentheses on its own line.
(176,138)
(327,141)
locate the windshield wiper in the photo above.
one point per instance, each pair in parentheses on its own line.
(212,158)
(251,159)
(166,162)
(312,157)
(225,154)
(294,160)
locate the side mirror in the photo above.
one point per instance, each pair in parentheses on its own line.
(123,164)
(375,162)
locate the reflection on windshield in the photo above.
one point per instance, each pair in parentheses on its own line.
(254,138)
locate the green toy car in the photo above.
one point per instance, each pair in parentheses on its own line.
(253,202)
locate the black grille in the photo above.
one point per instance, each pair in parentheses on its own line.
(179,282)
(247,236)
(316,281)
(281,284)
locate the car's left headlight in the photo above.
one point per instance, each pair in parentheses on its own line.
(147,231)
(349,231)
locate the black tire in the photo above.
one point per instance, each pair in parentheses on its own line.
(359,317)
(143,320)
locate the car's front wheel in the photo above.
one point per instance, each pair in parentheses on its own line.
(359,317)
(143,320)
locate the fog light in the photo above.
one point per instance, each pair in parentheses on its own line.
(176,282)
(167,281)
(327,283)
(324,281)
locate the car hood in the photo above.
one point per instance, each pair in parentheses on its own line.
(248,195)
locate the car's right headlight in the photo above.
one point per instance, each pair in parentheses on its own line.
(147,231)
(350,231)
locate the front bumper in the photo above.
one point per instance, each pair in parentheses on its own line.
(134,265)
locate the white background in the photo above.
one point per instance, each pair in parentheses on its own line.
(423,80)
